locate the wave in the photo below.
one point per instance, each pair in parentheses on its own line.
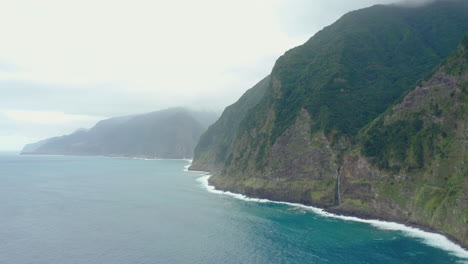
(431,239)
(136,158)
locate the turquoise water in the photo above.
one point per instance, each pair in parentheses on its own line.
(57,209)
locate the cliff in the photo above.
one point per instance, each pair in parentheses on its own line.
(342,126)
(214,143)
(171,133)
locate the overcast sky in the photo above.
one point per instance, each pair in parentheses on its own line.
(67,64)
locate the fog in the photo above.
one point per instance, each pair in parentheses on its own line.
(70,64)
(417,3)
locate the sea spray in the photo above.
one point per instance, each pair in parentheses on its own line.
(431,239)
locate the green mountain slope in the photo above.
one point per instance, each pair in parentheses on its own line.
(213,145)
(171,133)
(314,136)
(351,71)
(417,153)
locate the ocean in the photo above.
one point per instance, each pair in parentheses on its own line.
(71,209)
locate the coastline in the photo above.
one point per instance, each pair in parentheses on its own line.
(105,156)
(428,237)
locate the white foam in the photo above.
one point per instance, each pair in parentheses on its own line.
(145,158)
(204,182)
(186,167)
(431,239)
(135,158)
(129,157)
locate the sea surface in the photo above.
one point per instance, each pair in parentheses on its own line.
(68,209)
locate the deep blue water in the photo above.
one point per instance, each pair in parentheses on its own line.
(57,209)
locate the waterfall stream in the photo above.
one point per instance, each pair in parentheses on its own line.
(338,195)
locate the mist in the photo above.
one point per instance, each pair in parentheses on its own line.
(419,3)
(131,57)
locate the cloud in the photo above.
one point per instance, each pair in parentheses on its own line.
(46,117)
(146,55)
(110,58)
(13,143)
(105,57)
(7,67)
(18,128)
(418,3)
(145,45)
(303,18)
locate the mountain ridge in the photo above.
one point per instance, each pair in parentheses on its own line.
(170,133)
(303,141)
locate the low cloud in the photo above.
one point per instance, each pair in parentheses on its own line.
(418,3)
(130,57)
(18,128)
(47,117)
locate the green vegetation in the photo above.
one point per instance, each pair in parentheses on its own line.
(424,138)
(214,145)
(350,72)
(414,139)
(402,143)
(362,101)
(345,76)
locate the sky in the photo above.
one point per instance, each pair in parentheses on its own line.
(65,65)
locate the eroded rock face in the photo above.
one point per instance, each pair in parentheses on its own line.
(432,195)
(440,87)
(305,161)
(300,155)
(299,167)
(303,166)
(407,164)
(360,191)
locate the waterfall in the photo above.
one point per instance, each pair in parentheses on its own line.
(338,179)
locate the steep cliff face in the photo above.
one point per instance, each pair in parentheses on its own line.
(314,137)
(300,167)
(408,165)
(418,149)
(214,143)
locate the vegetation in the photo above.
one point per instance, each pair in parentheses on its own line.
(214,144)
(423,139)
(399,151)
(402,143)
(350,72)
(411,138)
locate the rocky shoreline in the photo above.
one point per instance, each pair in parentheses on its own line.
(337,211)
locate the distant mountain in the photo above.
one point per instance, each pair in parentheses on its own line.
(33,146)
(171,133)
(342,126)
